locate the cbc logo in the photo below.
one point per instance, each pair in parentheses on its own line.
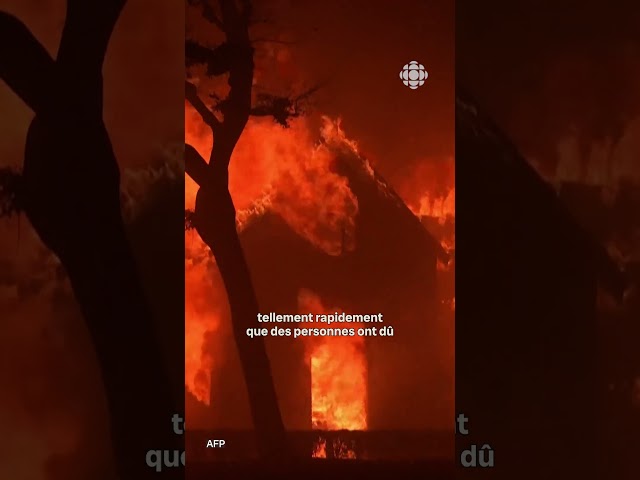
(413,75)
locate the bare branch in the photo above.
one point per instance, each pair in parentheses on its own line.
(25,65)
(282,109)
(208,117)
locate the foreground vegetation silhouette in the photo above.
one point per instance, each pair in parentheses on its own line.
(69,189)
(214,217)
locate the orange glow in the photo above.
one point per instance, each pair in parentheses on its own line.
(603,163)
(442,207)
(429,191)
(338,382)
(284,170)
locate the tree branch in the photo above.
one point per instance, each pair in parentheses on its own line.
(208,117)
(215,222)
(195,166)
(87,30)
(236,17)
(218,59)
(282,109)
(25,65)
(208,12)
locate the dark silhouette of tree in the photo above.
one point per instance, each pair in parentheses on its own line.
(70,191)
(214,217)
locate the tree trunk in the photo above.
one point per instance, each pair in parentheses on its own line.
(215,221)
(70,192)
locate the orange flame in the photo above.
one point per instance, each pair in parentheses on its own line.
(338,382)
(283,170)
(289,171)
(429,191)
(605,162)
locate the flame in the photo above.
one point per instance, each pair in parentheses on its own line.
(442,207)
(605,162)
(272,168)
(338,382)
(203,318)
(287,171)
(429,191)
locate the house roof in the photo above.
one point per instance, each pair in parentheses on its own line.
(365,181)
(476,132)
(373,192)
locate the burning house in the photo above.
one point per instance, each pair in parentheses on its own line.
(527,370)
(383,261)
